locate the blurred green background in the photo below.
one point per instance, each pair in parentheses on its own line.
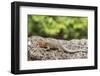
(60,27)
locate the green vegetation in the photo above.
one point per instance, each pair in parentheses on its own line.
(62,27)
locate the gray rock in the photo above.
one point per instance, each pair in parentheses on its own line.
(39,50)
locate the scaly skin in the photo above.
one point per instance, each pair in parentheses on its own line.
(51,43)
(56,44)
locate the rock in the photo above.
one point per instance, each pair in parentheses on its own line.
(38,49)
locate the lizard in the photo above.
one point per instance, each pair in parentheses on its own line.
(56,44)
(50,43)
